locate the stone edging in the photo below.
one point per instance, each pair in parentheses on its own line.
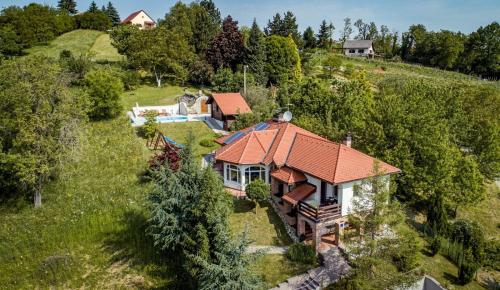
(292,233)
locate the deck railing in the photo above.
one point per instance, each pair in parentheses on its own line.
(321,214)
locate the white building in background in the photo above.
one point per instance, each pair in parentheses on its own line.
(363,48)
(141,19)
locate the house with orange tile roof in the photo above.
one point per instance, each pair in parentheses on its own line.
(141,19)
(313,180)
(226,106)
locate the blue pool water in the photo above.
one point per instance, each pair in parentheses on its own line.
(139,121)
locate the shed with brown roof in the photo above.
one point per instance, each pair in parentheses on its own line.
(226,106)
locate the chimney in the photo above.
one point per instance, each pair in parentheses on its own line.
(348,140)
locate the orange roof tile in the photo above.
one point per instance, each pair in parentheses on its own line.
(288,145)
(249,149)
(332,162)
(299,193)
(288,175)
(230,103)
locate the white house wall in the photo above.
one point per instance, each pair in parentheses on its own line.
(140,19)
(240,186)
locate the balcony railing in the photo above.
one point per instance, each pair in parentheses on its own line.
(321,214)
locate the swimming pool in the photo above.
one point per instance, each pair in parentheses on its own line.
(139,121)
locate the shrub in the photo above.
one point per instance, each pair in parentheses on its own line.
(131,79)
(207,143)
(435,245)
(468,268)
(104,90)
(492,254)
(406,257)
(65,54)
(151,125)
(302,253)
(470,235)
(201,73)
(257,190)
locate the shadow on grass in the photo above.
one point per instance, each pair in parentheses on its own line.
(243,205)
(452,278)
(132,245)
(282,236)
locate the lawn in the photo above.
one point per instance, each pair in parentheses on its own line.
(179,131)
(76,41)
(147,95)
(89,232)
(264,228)
(102,50)
(274,269)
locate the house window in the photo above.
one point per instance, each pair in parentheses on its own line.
(361,51)
(233,173)
(352,51)
(254,172)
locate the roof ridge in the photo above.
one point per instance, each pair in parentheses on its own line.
(337,162)
(258,140)
(244,148)
(231,145)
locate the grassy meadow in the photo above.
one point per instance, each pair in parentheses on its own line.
(102,50)
(77,41)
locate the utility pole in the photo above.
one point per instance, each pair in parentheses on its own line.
(245,80)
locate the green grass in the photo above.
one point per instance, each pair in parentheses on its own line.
(153,96)
(274,269)
(265,228)
(486,212)
(77,41)
(102,50)
(178,132)
(92,215)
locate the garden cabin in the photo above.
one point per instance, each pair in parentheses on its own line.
(226,106)
(363,48)
(141,19)
(312,180)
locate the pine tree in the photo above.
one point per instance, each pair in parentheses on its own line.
(309,38)
(290,27)
(325,34)
(256,55)
(275,26)
(113,14)
(93,7)
(67,5)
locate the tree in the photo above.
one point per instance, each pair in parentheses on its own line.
(437,217)
(363,29)
(325,34)
(104,90)
(207,25)
(468,184)
(372,31)
(93,8)
(226,50)
(275,26)
(283,60)
(10,44)
(68,6)
(201,73)
(39,125)
(290,27)
(309,38)
(93,20)
(258,191)
(347,31)
(123,38)
(382,261)
(161,51)
(151,125)
(256,54)
(481,51)
(113,14)
(332,63)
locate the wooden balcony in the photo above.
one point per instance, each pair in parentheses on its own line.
(321,214)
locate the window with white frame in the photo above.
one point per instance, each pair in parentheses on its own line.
(254,172)
(233,173)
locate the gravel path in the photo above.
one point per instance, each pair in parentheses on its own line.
(267,249)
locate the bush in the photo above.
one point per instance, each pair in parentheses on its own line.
(435,245)
(257,190)
(207,143)
(151,125)
(492,254)
(467,268)
(201,73)
(131,79)
(93,20)
(302,253)
(104,90)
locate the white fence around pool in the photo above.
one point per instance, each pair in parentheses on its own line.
(166,114)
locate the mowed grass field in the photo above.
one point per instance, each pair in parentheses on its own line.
(102,50)
(77,41)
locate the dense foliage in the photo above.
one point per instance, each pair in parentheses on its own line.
(39,124)
(33,24)
(104,90)
(197,232)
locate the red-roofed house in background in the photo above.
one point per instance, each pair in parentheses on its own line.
(226,106)
(141,19)
(313,180)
